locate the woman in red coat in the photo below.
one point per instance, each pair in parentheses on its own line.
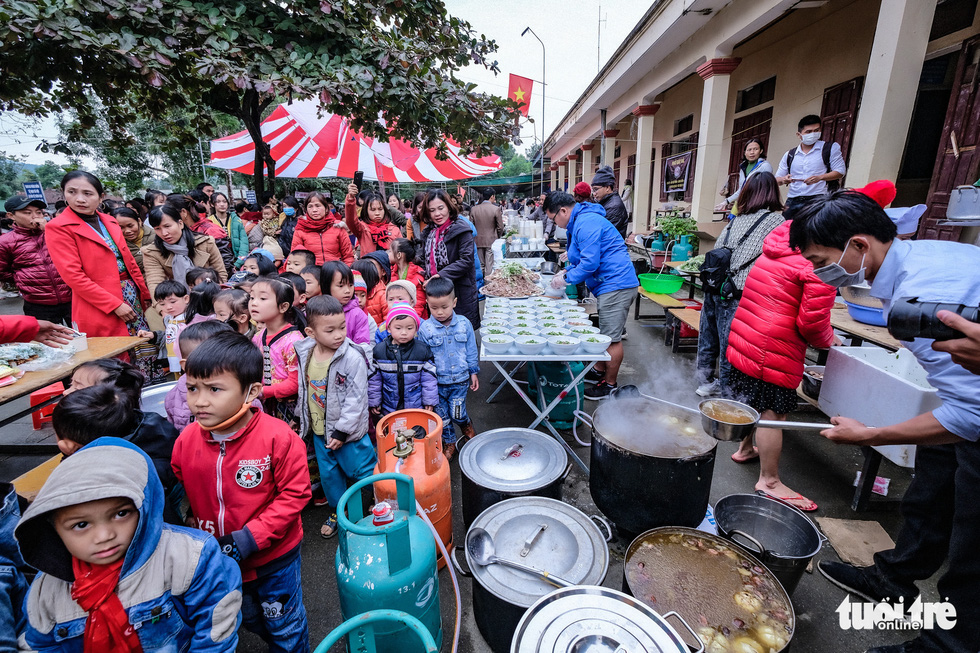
(784,307)
(91,255)
(320,233)
(373,227)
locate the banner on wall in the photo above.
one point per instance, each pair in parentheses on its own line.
(677,170)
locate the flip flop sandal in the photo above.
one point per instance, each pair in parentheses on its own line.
(789,500)
(745,461)
(330,523)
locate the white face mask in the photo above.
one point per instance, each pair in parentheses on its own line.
(835,275)
(811,138)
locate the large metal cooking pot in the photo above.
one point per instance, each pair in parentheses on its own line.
(595,620)
(714,584)
(507,463)
(538,532)
(781,536)
(651,464)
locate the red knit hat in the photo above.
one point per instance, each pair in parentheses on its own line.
(582,189)
(882,192)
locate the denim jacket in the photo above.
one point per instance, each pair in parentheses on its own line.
(454,347)
(13,585)
(178,590)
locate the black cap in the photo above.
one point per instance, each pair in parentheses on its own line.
(19,202)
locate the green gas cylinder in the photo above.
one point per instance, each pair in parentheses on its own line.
(552,378)
(388,565)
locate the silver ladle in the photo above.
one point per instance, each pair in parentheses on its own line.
(479,544)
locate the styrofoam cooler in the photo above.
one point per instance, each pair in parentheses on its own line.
(878,388)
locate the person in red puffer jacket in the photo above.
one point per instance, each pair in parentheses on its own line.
(784,307)
(25,260)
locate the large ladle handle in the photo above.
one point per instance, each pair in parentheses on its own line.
(792,426)
(540,573)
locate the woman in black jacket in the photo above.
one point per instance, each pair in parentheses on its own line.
(448,253)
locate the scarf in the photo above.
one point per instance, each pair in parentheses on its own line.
(435,248)
(380,234)
(107,627)
(182,262)
(312,225)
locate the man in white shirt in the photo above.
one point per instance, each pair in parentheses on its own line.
(810,170)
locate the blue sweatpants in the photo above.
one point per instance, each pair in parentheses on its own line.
(352,462)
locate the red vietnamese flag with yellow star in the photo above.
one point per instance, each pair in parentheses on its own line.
(519,90)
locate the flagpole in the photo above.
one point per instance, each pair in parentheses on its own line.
(544,69)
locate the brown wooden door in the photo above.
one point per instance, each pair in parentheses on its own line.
(838,114)
(956,166)
(754,125)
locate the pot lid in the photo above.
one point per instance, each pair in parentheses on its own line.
(593,620)
(555,537)
(513,460)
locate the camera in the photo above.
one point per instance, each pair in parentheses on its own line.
(910,319)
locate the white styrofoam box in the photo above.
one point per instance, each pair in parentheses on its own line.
(879,388)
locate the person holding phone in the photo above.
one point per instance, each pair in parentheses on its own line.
(373,224)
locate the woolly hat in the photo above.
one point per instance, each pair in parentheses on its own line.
(604,177)
(399,309)
(359,283)
(882,192)
(582,189)
(413,292)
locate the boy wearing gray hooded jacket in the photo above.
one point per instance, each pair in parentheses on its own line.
(332,402)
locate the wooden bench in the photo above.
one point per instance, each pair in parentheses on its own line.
(672,336)
(665,302)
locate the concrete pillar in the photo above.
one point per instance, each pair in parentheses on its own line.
(572,170)
(561,174)
(554,177)
(890,89)
(588,168)
(609,151)
(644,151)
(713,147)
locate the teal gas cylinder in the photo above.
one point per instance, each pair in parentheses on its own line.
(388,567)
(553,377)
(682,250)
(361,630)
(657,244)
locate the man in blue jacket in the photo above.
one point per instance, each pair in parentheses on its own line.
(598,256)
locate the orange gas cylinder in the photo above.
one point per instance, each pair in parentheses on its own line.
(417,452)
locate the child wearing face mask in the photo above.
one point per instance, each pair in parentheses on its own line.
(247,482)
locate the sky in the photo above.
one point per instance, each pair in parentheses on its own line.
(568,28)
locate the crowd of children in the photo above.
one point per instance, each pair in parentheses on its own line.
(156,531)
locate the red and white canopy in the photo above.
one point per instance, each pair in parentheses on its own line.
(307,145)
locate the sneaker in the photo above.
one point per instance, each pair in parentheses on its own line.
(9,294)
(863,583)
(709,389)
(594,375)
(625,336)
(601,390)
(320,501)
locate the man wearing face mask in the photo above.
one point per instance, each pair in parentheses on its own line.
(848,238)
(812,169)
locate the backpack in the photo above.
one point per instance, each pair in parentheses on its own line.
(716,270)
(825,155)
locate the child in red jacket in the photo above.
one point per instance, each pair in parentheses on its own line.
(246,478)
(25,260)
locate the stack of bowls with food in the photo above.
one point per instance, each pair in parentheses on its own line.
(539,327)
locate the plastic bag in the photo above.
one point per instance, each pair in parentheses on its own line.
(34,357)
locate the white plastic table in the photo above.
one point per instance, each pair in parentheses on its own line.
(540,410)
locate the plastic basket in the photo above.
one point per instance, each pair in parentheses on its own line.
(661,284)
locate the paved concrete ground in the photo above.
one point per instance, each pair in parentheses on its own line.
(819,469)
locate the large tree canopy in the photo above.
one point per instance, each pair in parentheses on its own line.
(361,59)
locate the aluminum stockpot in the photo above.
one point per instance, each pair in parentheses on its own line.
(595,620)
(510,462)
(554,537)
(642,477)
(782,537)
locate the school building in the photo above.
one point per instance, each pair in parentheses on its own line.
(895,82)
